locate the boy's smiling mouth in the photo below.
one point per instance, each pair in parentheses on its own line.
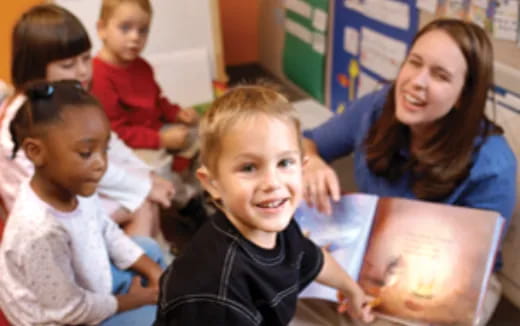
(272,203)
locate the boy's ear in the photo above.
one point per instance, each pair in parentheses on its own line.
(35,151)
(100,26)
(208,182)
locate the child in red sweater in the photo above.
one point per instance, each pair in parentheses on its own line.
(125,84)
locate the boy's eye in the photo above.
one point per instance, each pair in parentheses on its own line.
(247,168)
(287,162)
(143,30)
(124,27)
(85,155)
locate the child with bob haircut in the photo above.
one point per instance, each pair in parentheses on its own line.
(62,260)
(49,43)
(125,83)
(247,264)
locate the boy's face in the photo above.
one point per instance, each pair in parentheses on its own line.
(258,177)
(72,152)
(124,34)
(78,68)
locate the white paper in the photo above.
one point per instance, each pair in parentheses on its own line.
(318,42)
(480,3)
(455,8)
(381,54)
(428,5)
(366,85)
(319,20)
(351,40)
(505,21)
(390,12)
(184,75)
(298,30)
(300,7)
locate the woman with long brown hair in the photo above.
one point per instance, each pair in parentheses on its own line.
(426,135)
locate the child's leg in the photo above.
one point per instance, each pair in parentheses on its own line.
(143,316)
(121,280)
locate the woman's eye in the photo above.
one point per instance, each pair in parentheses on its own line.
(286,162)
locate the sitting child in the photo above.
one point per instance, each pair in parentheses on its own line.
(50,43)
(125,84)
(247,264)
(58,247)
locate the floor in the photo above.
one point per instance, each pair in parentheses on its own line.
(506,314)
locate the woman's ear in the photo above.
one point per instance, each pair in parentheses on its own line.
(208,182)
(35,151)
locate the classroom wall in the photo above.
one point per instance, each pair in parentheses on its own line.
(239,20)
(11,11)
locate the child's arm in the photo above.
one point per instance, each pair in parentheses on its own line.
(134,136)
(334,276)
(149,269)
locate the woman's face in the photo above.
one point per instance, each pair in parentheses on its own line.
(430,81)
(78,68)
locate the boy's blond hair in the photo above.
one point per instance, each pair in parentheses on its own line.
(109,6)
(239,104)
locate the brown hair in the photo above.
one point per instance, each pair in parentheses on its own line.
(44,34)
(109,6)
(445,159)
(238,104)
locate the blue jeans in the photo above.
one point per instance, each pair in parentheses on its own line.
(121,280)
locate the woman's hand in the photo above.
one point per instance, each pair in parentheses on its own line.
(320,184)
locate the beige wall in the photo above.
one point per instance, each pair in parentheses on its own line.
(11,11)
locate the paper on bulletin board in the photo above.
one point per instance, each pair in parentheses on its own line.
(390,12)
(351,41)
(305,45)
(428,5)
(359,57)
(454,8)
(367,84)
(381,54)
(300,7)
(478,14)
(505,20)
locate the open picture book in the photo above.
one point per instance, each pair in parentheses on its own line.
(424,263)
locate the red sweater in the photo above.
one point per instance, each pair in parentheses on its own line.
(133,102)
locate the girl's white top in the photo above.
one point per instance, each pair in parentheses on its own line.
(55,266)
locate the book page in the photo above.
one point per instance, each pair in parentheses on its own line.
(345,233)
(430,262)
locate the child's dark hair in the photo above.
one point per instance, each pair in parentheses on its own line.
(44,105)
(44,34)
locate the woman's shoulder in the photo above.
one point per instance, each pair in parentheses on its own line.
(495,156)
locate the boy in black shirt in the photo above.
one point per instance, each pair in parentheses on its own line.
(247,265)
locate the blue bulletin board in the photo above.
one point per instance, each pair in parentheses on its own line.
(371,38)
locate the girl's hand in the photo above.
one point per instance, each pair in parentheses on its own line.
(188,116)
(357,306)
(162,191)
(174,138)
(320,184)
(143,295)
